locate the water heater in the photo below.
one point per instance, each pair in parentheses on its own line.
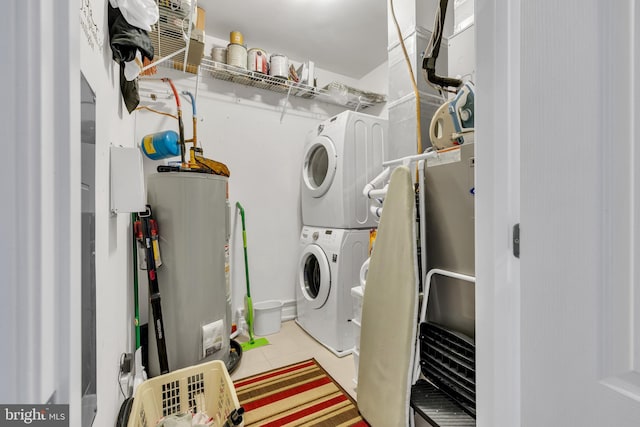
(193,220)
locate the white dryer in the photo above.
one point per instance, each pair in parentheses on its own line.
(341,156)
(329,267)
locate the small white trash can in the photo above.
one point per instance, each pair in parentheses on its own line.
(267,317)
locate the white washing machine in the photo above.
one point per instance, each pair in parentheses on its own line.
(341,156)
(329,266)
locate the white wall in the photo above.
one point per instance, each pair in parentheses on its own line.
(114,285)
(323,76)
(377,80)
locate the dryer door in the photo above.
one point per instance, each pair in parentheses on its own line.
(319,168)
(314,275)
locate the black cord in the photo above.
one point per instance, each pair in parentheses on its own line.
(429,62)
(119,373)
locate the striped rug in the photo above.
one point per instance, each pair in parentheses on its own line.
(302,394)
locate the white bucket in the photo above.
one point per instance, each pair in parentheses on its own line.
(267,317)
(219,54)
(237,55)
(279,66)
(257,61)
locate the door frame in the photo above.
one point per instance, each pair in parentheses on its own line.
(40,223)
(497,26)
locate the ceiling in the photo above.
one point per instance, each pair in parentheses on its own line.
(348,37)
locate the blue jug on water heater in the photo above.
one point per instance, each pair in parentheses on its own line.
(161,145)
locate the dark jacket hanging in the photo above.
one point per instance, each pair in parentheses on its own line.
(125,39)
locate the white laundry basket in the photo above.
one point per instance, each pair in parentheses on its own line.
(267,317)
(201,388)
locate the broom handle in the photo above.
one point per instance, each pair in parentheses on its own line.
(244,244)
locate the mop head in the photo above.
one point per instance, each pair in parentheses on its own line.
(254,343)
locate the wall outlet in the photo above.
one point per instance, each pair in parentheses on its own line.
(126,373)
(126,363)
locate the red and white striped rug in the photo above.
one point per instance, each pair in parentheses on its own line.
(302,394)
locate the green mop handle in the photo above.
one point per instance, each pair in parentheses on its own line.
(244,244)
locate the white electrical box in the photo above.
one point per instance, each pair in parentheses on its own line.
(128,193)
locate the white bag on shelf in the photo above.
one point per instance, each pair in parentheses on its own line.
(139,13)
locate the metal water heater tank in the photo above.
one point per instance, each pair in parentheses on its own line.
(193,220)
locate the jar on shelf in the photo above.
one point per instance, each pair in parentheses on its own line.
(279,66)
(219,54)
(237,55)
(257,61)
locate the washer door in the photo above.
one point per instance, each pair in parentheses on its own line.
(319,169)
(314,276)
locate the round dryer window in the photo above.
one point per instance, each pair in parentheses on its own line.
(319,168)
(314,276)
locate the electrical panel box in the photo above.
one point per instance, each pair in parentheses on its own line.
(128,193)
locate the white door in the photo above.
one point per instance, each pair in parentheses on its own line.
(574,353)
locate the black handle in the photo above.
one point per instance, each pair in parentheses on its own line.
(429,63)
(154,293)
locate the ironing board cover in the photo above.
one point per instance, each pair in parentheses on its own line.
(389,311)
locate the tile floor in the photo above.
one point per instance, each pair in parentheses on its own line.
(292,344)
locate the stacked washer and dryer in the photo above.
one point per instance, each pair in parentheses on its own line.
(341,156)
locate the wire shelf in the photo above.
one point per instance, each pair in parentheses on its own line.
(334,93)
(230,73)
(170,35)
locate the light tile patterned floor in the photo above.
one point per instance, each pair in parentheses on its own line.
(292,344)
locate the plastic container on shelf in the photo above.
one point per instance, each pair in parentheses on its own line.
(279,66)
(257,60)
(267,317)
(237,55)
(219,54)
(402,125)
(205,388)
(236,37)
(399,81)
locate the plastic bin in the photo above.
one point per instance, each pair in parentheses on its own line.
(402,124)
(203,388)
(267,317)
(399,79)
